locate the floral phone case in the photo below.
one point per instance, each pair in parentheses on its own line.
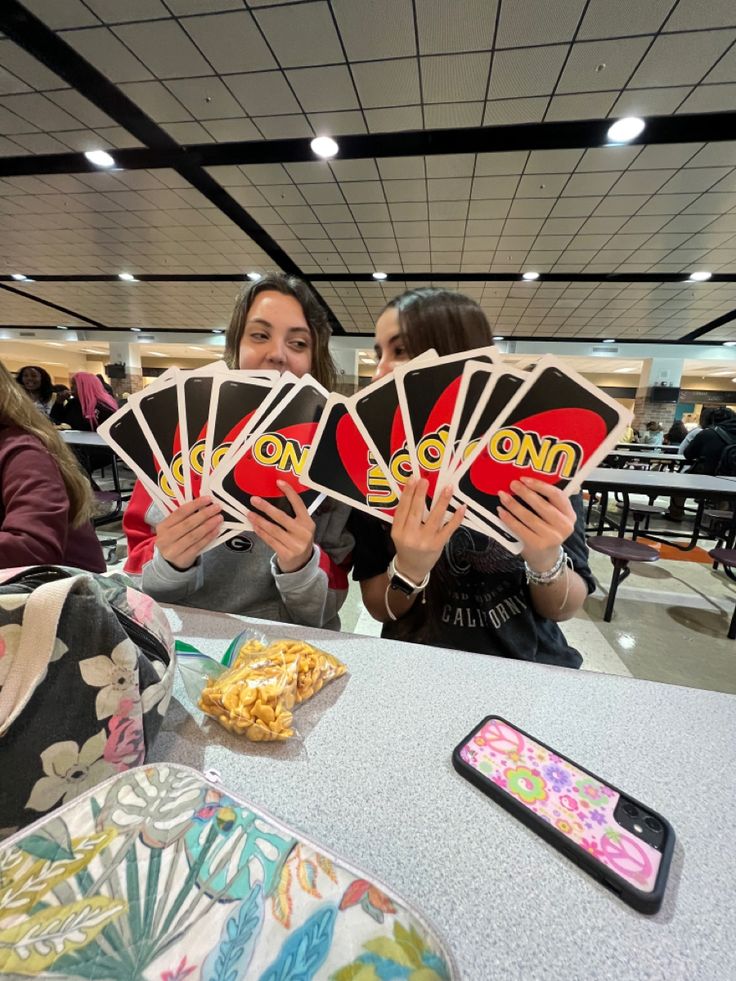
(619,841)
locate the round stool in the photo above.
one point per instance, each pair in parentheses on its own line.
(643,512)
(621,551)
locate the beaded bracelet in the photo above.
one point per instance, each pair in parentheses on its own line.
(546,578)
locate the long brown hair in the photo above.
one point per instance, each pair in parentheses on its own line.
(17,409)
(323,367)
(435,318)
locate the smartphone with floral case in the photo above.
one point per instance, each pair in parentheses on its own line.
(622,843)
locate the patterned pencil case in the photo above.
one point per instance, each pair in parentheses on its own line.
(161,875)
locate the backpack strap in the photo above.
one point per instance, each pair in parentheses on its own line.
(37,639)
(722,434)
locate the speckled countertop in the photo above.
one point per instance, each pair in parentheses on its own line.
(372,778)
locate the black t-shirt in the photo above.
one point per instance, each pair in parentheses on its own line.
(477,598)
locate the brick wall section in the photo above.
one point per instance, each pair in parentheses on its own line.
(645,410)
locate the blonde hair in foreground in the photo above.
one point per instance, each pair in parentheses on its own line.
(16,409)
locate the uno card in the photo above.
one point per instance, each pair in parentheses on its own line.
(473,384)
(340,463)
(194,392)
(123,433)
(234,401)
(377,414)
(157,411)
(556,428)
(276,449)
(428,395)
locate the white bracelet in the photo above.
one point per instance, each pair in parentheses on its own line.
(534,578)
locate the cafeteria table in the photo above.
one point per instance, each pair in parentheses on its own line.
(371,777)
(662,448)
(653,460)
(82,439)
(653,483)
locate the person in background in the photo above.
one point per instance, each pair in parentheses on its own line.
(105,385)
(470,593)
(705,420)
(704,450)
(676,510)
(653,435)
(36,382)
(292,569)
(628,434)
(89,405)
(61,394)
(676,433)
(45,499)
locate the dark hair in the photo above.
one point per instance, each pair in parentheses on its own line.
(436,318)
(706,416)
(677,432)
(323,367)
(45,390)
(721,413)
(60,388)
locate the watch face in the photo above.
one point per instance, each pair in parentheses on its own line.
(398,583)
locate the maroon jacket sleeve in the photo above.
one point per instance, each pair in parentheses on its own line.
(35,522)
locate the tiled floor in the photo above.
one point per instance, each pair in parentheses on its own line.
(669,623)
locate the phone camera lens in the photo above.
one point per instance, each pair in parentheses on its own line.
(631,809)
(653,824)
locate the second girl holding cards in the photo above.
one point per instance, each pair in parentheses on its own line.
(287,560)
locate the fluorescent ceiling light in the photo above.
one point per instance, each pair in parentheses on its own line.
(380,275)
(699,277)
(729,343)
(609,340)
(254,276)
(100,158)
(529,276)
(498,337)
(19,277)
(626,129)
(136,330)
(127,277)
(324,146)
(216,332)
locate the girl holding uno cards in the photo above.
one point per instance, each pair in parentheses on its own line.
(291,569)
(432,581)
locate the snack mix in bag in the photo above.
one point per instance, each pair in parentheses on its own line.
(255,696)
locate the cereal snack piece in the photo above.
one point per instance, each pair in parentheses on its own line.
(314,667)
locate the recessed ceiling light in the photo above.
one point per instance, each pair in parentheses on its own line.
(626,129)
(100,158)
(254,276)
(498,337)
(729,343)
(380,275)
(699,277)
(19,276)
(324,146)
(136,330)
(216,332)
(609,340)
(127,277)
(529,276)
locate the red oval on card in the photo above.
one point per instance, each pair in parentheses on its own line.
(275,456)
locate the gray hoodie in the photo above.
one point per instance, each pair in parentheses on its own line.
(242,577)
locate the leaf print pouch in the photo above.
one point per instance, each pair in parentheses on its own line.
(86,673)
(159,873)
(622,843)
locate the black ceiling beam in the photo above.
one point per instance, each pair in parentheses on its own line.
(703,127)
(726,318)
(54,306)
(446,277)
(42,43)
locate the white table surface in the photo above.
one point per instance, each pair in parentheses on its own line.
(372,778)
(78,437)
(642,481)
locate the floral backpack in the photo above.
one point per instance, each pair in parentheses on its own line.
(159,874)
(86,673)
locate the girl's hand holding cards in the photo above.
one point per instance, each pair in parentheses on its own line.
(419,543)
(185,533)
(292,539)
(540,516)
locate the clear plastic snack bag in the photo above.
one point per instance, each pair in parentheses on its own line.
(254,690)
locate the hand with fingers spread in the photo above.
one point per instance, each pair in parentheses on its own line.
(542,518)
(292,539)
(419,542)
(185,533)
